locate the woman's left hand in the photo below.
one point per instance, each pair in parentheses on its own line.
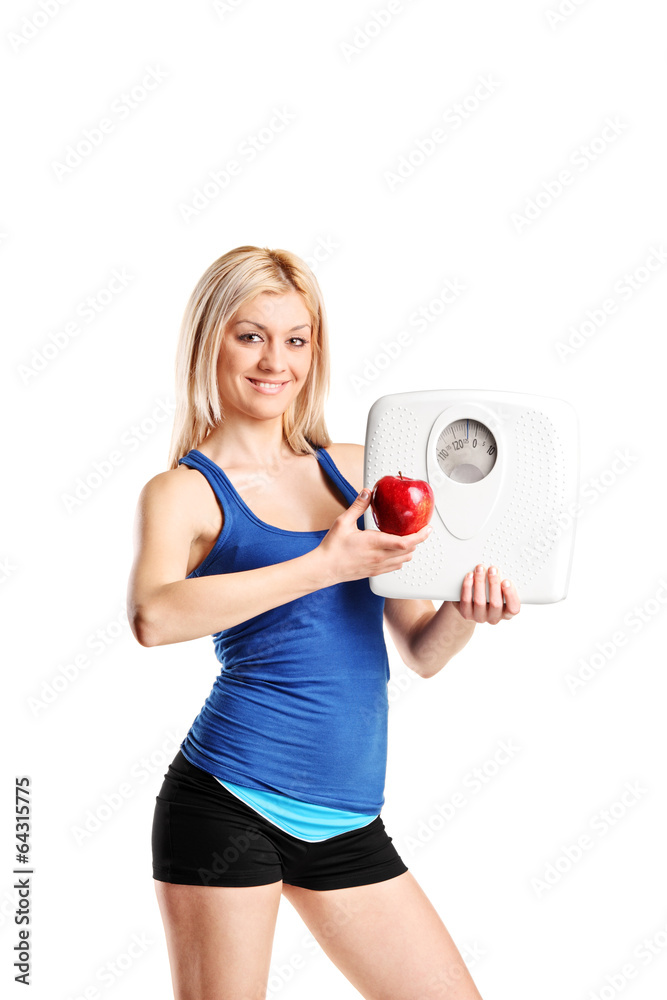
(473,605)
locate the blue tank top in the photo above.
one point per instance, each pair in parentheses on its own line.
(299,708)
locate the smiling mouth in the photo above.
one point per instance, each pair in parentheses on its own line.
(266,386)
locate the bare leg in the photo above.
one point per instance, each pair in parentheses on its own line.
(219,939)
(387,939)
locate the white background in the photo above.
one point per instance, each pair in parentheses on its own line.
(361,97)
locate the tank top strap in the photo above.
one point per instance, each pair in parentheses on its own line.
(325,460)
(348,491)
(218,481)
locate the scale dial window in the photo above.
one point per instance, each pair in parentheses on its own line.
(466,451)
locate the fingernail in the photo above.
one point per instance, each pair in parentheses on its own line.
(492,570)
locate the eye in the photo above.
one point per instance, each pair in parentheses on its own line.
(242,336)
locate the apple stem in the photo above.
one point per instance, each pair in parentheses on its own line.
(400,474)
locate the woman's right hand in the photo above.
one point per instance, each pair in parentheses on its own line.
(351,554)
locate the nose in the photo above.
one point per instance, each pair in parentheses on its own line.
(272,356)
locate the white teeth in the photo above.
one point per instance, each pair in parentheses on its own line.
(266,385)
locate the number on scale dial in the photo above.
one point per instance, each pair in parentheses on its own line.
(466,451)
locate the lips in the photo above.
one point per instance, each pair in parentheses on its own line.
(267,387)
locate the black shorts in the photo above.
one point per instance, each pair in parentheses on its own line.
(204,835)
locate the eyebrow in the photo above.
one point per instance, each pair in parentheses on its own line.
(254,322)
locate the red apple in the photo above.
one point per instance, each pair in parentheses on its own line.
(401,505)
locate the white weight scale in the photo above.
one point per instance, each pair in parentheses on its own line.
(504,470)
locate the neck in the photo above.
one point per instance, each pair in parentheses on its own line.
(246,443)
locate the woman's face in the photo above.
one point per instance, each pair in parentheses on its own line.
(265,354)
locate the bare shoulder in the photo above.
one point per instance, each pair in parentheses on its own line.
(171,484)
(350,460)
(179,495)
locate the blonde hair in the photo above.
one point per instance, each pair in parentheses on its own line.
(225,286)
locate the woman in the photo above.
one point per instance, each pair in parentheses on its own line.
(278,785)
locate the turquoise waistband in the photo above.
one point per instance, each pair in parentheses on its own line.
(300,819)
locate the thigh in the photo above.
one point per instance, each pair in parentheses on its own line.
(387,939)
(219,939)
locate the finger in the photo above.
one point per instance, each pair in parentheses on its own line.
(424,532)
(465,603)
(512,602)
(479,594)
(495,611)
(393,562)
(414,537)
(402,543)
(361,501)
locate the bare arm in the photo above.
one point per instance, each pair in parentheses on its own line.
(427,641)
(165,607)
